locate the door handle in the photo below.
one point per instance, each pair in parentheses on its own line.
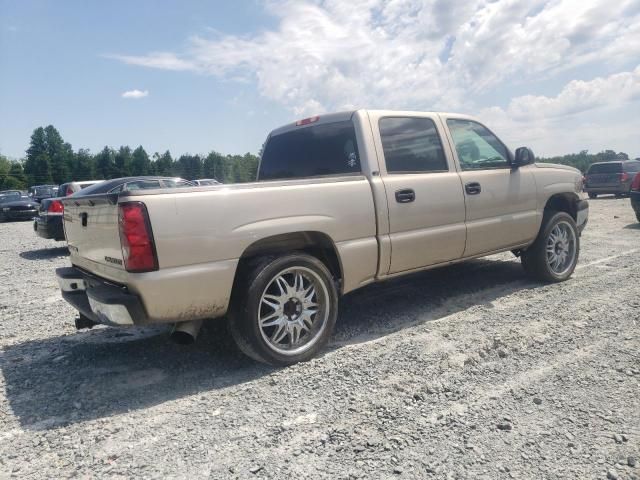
(405,196)
(472,188)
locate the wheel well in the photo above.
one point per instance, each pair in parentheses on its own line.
(317,244)
(563,202)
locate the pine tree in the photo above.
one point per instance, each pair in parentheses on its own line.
(60,154)
(122,162)
(83,166)
(36,172)
(164,164)
(140,163)
(105,165)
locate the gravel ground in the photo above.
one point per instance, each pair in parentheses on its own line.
(472,371)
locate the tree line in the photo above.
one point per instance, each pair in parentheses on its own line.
(51,160)
(584,159)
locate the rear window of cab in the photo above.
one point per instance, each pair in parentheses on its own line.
(320,150)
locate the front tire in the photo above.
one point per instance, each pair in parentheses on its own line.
(593,195)
(284,309)
(554,254)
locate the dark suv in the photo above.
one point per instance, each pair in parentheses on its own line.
(611,177)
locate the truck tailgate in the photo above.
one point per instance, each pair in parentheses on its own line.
(91,227)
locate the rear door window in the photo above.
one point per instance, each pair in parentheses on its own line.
(177,183)
(411,145)
(319,150)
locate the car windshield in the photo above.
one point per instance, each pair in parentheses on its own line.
(11,197)
(614,167)
(45,191)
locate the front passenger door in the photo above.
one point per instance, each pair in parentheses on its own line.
(501,202)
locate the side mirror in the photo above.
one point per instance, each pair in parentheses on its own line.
(524,156)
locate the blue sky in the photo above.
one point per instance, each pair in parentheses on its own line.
(558,75)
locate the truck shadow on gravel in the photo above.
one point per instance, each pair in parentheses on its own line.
(45,253)
(68,379)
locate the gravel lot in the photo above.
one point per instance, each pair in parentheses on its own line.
(472,371)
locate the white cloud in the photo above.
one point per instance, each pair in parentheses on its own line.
(418,54)
(579,96)
(425,54)
(585,114)
(163,60)
(135,94)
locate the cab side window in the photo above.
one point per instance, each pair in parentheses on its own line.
(477,147)
(411,145)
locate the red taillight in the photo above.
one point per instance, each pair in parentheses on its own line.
(55,207)
(136,238)
(624,177)
(635,185)
(307,121)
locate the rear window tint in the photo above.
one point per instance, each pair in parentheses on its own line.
(411,144)
(614,167)
(319,150)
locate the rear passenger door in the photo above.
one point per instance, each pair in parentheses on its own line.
(424,194)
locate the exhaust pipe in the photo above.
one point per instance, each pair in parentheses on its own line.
(185,333)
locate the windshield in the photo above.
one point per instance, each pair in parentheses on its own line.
(11,197)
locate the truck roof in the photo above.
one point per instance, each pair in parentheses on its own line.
(346,115)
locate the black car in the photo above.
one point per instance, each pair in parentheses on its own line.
(635,195)
(49,222)
(15,205)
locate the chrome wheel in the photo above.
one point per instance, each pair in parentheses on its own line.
(561,248)
(293,310)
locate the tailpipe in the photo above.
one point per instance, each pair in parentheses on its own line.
(185,333)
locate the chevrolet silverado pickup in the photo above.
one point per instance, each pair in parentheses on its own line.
(340,201)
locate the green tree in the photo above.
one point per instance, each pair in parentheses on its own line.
(105,163)
(163,164)
(60,155)
(213,166)
(36,166)
(42,169)
(83,166)
(122,162)
(189,167)
(140,163)
(16,172)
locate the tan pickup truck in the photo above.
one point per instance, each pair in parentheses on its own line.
(341,201)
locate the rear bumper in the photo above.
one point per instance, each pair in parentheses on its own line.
(99,300)
(49,226)
(613,189)
(582,215)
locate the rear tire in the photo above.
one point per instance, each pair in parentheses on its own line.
(593,195)
(554,254)
(284,309)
